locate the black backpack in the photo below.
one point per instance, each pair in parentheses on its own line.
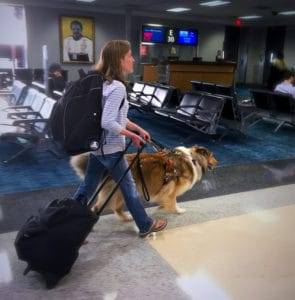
(76,118)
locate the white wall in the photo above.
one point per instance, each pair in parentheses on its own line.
(290,47)
(43,28)
(211,40)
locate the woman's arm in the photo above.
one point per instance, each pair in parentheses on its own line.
(136,139)
(134,127)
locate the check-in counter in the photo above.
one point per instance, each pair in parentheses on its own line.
(180,73)
(150,73)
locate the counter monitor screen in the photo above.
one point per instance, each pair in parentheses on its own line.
(153,34)
(187,37)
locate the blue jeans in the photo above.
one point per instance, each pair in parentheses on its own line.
(97,168)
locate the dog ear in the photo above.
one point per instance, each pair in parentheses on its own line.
(203,151)
(202,161)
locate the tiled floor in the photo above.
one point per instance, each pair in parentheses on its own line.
(249,256)
(237,246)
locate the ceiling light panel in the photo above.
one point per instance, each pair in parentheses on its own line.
(287,13)
(250,17)
(178,9)
(88,1)
(214,3)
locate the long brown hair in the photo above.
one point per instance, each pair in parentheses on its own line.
(109,64)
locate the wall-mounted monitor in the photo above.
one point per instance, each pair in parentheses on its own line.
(187,37)
(153,34)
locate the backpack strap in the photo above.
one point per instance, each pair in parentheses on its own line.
(122,103)
(27,269)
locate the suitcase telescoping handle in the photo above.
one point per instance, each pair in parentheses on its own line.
(120,180)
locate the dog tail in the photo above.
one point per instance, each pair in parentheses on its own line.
(79,164)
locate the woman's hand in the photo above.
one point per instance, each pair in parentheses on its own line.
(145,135)
(137,140)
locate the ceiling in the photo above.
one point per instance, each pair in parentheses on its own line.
(222,14)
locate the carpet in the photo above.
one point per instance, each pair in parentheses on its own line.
(39,169)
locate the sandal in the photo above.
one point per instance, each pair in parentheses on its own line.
(157,225)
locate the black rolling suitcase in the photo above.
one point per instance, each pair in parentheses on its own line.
(50,241)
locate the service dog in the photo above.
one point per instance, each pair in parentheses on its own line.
(167,175)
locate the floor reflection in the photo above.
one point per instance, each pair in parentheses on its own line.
(5,269)
(201,286)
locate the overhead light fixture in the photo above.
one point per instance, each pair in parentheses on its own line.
(155,25)
(287,13)
(250,17)
(88,1)
(178,9)
(214,3)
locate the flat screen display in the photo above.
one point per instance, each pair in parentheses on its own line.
(153,34)
(187,37)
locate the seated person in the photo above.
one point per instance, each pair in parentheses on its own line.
(287,86)
(219,56)
(277,70)
(56,80)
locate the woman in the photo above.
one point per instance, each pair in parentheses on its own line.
(116,62)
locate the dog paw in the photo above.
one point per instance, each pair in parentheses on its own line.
(125,217)
(180,210)
(128,218)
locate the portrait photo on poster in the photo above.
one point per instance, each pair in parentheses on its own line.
(77,39)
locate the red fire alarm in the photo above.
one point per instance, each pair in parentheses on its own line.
(238,22)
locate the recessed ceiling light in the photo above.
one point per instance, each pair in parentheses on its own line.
(287,13)
(88,1)
(214,3)
(155,25)
(250,17)
(178,9)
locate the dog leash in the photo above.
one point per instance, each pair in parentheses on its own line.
(157,145)
(144,188)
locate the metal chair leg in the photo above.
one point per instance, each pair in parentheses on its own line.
(279,126)
(254,123)
(11,158)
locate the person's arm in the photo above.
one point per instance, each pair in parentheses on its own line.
(90,50)
(134,127)
(66,50)
(136,139)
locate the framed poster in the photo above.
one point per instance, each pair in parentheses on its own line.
(77,39)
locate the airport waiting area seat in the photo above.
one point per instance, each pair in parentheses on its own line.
(56,95)
(39,86)
(199,111)
(32,111)
(148,96)
(28,132)
(14,95)
(26,105)
(231,115)
(212,88)
(273,106)
(6,78)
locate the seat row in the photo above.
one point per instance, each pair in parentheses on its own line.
(28,123)
(273,105)
(203,111)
